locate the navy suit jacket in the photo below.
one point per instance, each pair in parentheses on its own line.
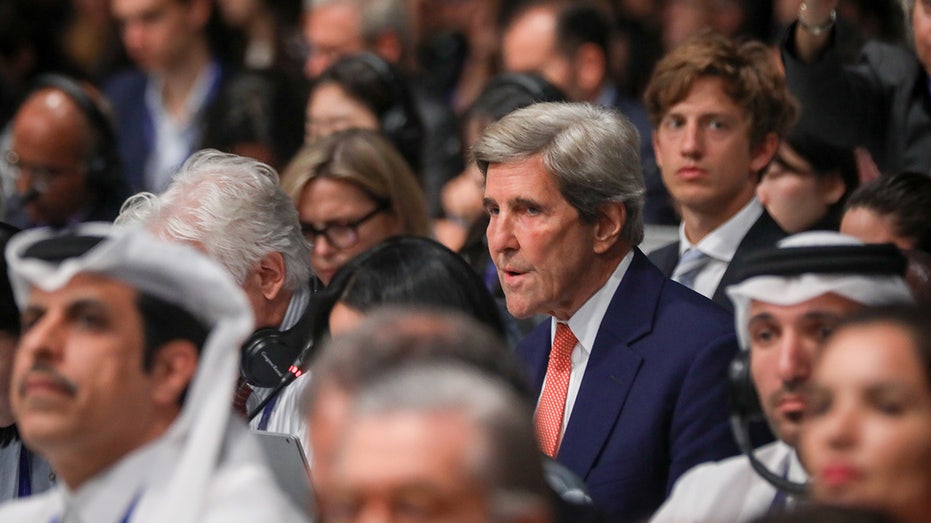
(653,400)
(135,125)
(764,232)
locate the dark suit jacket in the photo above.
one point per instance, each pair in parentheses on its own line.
(765,232)
(882,102)
(134,124)
(653,400)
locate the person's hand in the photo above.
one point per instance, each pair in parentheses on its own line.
(815,23)
(816,12)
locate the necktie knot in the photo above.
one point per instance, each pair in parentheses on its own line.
(563,343)
(691,263)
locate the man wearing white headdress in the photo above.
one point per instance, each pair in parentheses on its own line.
(123,380)
(788,301)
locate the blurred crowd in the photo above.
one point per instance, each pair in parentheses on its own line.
(472,260)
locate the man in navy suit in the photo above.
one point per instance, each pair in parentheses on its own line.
(635,393)
(719,109)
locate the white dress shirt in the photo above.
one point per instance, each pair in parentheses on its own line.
(720,246)
(584,324)
(241,489)
(730,490)
(175,139)
(286,415)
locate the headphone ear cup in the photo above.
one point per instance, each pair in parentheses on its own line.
(266,356)
(744,400)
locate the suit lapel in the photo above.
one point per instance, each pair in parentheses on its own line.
(765,232)
(612,366)
(666,258)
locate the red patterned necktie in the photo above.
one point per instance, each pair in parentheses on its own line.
(549,415)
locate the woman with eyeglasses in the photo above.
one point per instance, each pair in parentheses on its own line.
(352,189)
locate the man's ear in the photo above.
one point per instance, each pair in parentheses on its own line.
(173,367)
(832,188)
(271,273)
(764,153)
(608,226)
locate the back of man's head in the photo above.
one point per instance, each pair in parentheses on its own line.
(499,455)
(231,207)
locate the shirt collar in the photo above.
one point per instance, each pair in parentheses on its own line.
(296,307)
(587,320)
(722,243)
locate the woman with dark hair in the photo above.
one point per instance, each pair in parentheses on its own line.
(22,473)
(363,91)
(404,270)
(805,186)
(866,438)
(892,209)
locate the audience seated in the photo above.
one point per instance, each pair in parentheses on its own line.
(568,43)
(391,338)
(123,379)
(63,157)
(352,190)
(462,452)
(866,439)
(633,390)
(232,208)
(719,108)
(788,300)
(404,270)
(334,29)
(22,471)
(365,92)
(806,184)
(550,218)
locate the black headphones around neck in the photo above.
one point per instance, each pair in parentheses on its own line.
(103,168)
(268,354)
(879,260)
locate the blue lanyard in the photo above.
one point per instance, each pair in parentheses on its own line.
(25,472)
(267,412)
(129,511)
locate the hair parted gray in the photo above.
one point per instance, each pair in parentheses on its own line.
(232,207)
(504,459)
(592,152)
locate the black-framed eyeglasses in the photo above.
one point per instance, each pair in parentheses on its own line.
(341,235)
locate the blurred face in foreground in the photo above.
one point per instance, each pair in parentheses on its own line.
(866,440)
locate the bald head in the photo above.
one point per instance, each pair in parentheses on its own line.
(52,142)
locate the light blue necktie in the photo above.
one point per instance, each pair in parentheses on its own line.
(691,263)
